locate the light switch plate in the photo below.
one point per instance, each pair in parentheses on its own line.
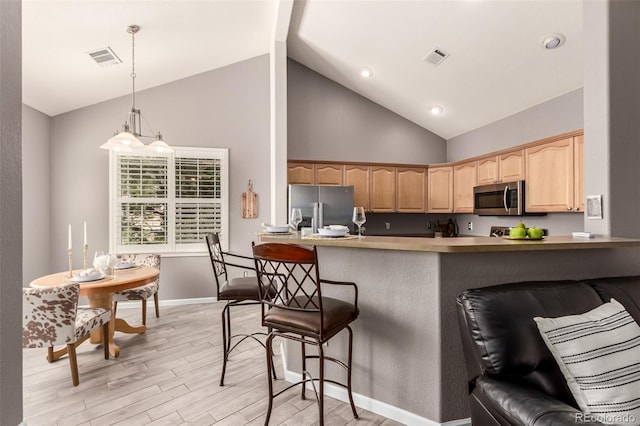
(594,206)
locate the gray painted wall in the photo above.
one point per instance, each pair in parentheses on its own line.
(327,121)
(36,194)
(224,108)
(556,116)
(10,213)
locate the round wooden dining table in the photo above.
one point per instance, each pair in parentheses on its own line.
(100,295)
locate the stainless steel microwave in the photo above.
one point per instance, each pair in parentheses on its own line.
(499,199)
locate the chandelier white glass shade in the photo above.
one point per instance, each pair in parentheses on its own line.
(128,139)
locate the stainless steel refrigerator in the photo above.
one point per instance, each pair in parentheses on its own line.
(322,205)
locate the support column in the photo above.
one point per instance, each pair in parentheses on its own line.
(612,114)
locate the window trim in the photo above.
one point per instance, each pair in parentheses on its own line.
(172,248)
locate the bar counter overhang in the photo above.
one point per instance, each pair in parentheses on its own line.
(408,361)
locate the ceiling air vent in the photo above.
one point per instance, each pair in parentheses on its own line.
(436,57)
(105,57)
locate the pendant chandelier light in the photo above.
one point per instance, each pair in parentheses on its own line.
(128,140)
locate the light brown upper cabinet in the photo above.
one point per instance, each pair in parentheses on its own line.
(440,189)
(507,167)
(383,189)
(358,176)
(551,182)
(578,168)
(328,174)
(511,166)
(410,189)
(300,173)
(464,179)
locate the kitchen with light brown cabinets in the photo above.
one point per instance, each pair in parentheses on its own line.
(553,179)
(358,176)
(328,174)
(464,179)
(410,189)
(383,189)
(440,189)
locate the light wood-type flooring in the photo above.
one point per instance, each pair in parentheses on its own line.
(169,376)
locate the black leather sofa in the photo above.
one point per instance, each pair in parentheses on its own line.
(512,377)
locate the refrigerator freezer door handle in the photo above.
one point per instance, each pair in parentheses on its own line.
(320,220)
(314,221)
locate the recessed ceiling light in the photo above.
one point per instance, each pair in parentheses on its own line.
(553,41)
(436,109)
(366,72)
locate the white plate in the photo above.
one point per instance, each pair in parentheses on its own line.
(277,229)
(333,232)
(125,265)
(87,278)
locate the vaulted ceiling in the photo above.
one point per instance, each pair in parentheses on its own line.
(496,64)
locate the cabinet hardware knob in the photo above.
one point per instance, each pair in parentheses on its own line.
(569,208)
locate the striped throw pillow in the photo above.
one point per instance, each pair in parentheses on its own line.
(599,355)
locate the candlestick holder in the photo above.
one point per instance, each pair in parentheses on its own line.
(84,256)
(70,254)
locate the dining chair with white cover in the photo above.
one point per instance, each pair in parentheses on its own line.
(51,316)
(144,292)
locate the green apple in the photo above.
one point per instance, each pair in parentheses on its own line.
(536,233)
(517,232)
(521,225)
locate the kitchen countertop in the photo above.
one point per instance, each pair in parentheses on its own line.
(461,244)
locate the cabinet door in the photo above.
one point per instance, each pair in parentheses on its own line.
(578,168)
(328,174)
(300,173)
(383,189)
(410,193)
(464,179)
(549,177)
(511,166)
(358,176)
(440,189)
(487,170)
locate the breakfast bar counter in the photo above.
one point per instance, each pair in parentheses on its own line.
(407,355)
(461,244)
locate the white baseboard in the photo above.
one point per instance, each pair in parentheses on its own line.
(370,404)
(174,302)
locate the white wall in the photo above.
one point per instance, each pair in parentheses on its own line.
(226,107)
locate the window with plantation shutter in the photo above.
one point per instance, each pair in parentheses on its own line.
(168,203)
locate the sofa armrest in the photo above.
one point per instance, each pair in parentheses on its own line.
(519,404)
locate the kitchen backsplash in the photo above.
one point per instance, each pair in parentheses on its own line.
(417,223)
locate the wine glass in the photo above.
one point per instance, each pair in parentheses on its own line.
(359,218)
(296,218)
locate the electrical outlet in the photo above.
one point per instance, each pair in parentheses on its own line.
(387,225)
(428,225)
(470,226)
